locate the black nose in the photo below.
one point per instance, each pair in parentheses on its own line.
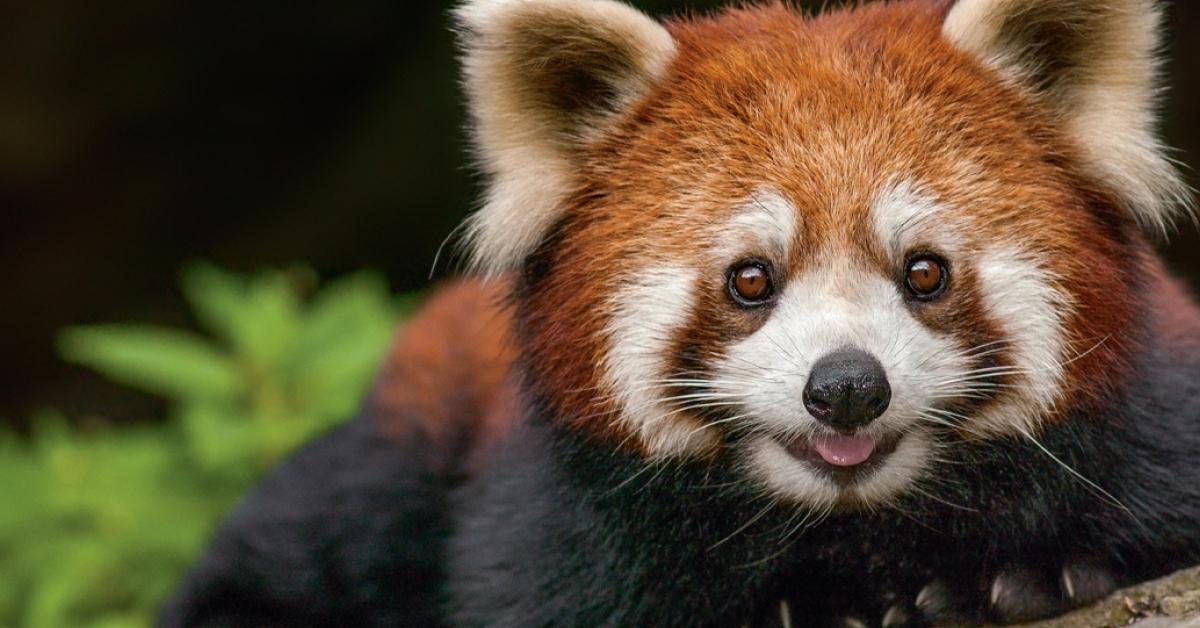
(847,389)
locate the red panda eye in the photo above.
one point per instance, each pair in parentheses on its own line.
(926,277)
(750,284)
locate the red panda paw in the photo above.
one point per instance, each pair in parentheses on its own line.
(1015,595)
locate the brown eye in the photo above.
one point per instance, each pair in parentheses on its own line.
(750,284)
(926,277)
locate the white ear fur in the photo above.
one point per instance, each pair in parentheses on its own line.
(1095,63)
(543,77)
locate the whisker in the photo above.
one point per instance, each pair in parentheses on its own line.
(1096,488)
(761,513)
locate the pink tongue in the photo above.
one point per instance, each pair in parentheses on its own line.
(845,451)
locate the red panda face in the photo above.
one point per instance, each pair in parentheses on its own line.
(831,247)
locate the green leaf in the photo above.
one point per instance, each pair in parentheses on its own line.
(97,527)
(273,314)
(175,364)
(341,344)
(218,299)
(256,317)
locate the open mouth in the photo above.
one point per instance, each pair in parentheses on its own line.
(845,459)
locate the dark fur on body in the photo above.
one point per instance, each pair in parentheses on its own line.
(347,532)
(360,529)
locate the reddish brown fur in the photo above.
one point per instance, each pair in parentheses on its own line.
(826,109)
(450,373)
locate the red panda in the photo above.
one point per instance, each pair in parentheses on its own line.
(779,319)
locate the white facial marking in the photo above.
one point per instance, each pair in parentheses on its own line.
(904,216)
(902,469)
(784,475)
(819,312)
(764,225)
(646,315)
(1019,293)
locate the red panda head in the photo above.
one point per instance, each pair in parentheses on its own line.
(831,246)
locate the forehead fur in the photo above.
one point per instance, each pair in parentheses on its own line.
(826,112)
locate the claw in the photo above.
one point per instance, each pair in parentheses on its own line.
(1025,594)
(896,617)
(1084,583)
(996,593)
(934,599)
(1068,584)
(926,596)
(785,614)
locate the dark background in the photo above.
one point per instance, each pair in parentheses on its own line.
(136,135)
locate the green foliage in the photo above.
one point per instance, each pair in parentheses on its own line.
(97,526)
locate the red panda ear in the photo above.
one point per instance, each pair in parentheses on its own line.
(1094,63)
(544,77)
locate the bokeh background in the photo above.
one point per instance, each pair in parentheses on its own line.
(315,138)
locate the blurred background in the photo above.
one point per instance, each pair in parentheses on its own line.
(215,174)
